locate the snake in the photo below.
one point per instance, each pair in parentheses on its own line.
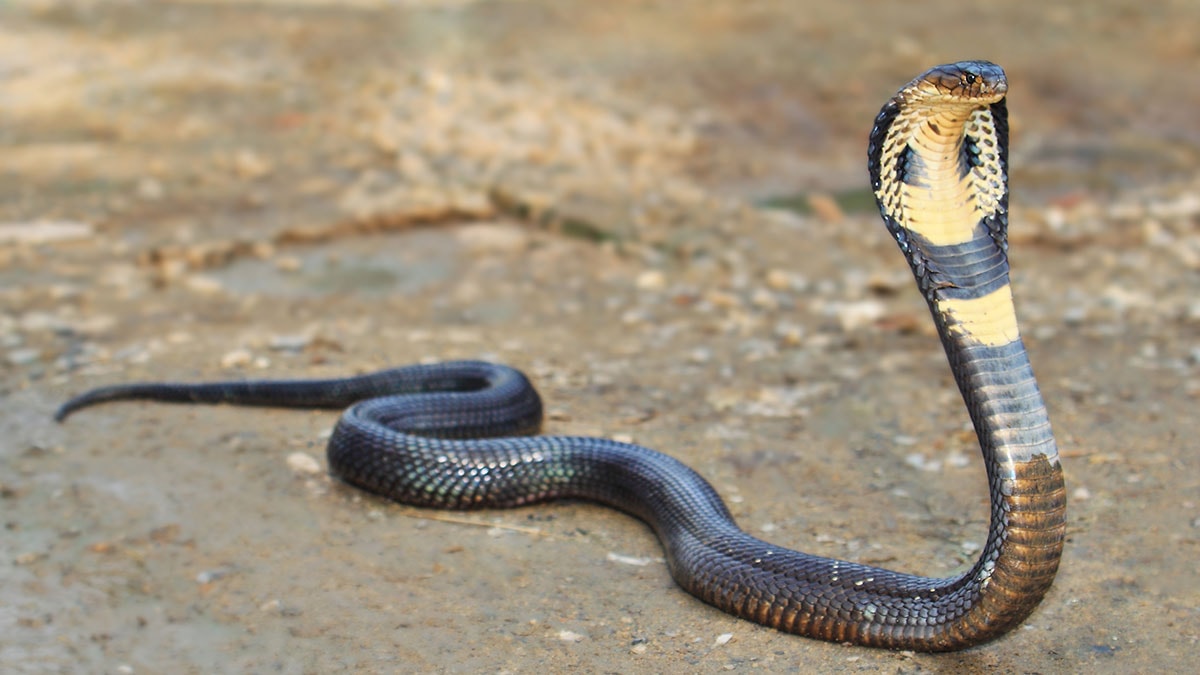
(464,434)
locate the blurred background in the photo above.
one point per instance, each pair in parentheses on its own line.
(756,99)
(661,210)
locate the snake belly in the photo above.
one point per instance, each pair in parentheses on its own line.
(456,435)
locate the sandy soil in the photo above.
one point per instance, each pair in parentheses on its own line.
(659,211)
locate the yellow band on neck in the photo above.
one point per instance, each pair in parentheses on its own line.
(989,319)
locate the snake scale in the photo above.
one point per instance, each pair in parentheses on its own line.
(458,435)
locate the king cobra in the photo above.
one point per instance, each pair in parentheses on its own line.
(460,435)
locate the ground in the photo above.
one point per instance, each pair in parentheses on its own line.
(659,210)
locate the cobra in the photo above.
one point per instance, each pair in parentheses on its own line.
(458,435)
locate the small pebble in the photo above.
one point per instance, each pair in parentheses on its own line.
(209,576)
(919,461)
(238,358)
(958,460)
(304,463)
(571,636)
(1193,357)
(722,299)
(203,284)
(150,189)
(23,357)
(289,263)
(289,343)
(651,280)
(1075,316)
(888,284)
(43,232)
(250,165)
(763,298)
(853,316)
(631,560)
(493,238)
(722,639)
(789,334)
(779,280)
(826,208)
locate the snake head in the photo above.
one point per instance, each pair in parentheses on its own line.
(978,82)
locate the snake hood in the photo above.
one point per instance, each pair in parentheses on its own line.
(938,164)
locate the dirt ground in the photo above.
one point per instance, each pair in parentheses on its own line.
(660,211)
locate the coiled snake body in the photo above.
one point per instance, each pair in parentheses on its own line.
(452,435)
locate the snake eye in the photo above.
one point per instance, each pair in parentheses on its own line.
(969,78)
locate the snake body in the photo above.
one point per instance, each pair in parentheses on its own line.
(454,435)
